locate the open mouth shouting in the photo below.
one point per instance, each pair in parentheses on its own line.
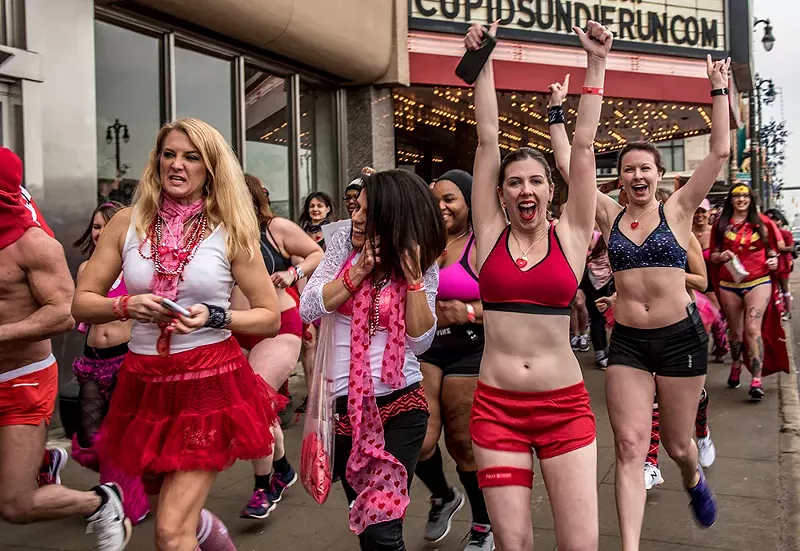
(527,210)
(640,190)
(175,179)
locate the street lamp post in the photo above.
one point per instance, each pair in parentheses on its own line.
(768,40)
(113,135)
(762,189)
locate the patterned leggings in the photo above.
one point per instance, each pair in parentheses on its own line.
(700,427)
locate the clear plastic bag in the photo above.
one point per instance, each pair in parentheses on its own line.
(736,269)
(316,452)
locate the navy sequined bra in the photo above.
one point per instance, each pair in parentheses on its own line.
(659,250)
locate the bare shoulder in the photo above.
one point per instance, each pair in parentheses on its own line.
(282,228)
(35,248)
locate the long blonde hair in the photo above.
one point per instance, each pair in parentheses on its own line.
(226,197)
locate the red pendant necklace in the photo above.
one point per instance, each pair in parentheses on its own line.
(444,252)
(635,223)
(522,261)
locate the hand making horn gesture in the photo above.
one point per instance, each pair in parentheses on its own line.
(718,72)
(596,40)
(558,92)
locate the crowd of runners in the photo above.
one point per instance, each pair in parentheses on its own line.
(454,308)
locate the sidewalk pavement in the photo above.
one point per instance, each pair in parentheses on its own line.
(754,477)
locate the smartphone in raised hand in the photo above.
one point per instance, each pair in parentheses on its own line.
(473,61)
(175,307)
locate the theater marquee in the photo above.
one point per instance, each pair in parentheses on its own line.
(688,28)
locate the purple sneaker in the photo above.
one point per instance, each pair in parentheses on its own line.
(259,506)
(704,502)
(280,483)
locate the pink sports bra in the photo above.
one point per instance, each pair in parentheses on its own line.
(457,281)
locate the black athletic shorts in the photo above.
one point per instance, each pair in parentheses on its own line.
(677,350)
(456,350)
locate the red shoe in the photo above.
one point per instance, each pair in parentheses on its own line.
(756,391)
(733,378)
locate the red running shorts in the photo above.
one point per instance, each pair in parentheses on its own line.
(291,324)
(29,399)
(553,423)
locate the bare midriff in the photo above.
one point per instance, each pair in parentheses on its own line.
(528,352)
(109,334)
(649,298)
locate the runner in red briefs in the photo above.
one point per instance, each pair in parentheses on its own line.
(530,397)
(35,294)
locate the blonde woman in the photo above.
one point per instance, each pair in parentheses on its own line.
(187,403)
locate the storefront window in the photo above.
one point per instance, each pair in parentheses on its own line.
(128,86)
(11,118)
(673,155)
(204,89)
(267,134)
(318,171)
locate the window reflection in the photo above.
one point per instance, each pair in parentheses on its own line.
(204,89)
(127,72)
(267,123)
(318,170)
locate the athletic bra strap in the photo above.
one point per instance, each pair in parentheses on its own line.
(618,218)
(464,261)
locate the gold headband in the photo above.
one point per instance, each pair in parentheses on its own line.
(741,189)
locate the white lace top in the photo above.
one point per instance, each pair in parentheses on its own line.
(312,307)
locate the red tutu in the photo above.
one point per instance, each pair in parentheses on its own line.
(199,410)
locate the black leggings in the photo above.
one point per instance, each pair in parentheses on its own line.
(597,321)
(403,435)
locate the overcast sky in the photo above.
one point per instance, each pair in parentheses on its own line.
(781,66)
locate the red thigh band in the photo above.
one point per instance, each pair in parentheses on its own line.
(505,476)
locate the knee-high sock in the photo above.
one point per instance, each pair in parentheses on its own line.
(431,472)
(469,479)
(212,534)
(701,422)
(655,439)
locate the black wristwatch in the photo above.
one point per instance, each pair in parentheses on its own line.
(720,92)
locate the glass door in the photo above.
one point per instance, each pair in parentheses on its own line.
(11,117)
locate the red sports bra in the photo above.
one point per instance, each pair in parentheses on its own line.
(548,288)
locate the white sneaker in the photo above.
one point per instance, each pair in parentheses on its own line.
(480,538)
(706,450)
(109,524)
(583,343)
(573,342)
(652,476)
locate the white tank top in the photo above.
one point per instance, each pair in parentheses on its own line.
(206,279)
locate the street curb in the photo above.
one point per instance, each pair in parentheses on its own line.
(789,448)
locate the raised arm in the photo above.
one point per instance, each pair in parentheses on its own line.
(689,197)
(487,214)
(579,211)
(696,277)
(558,129)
